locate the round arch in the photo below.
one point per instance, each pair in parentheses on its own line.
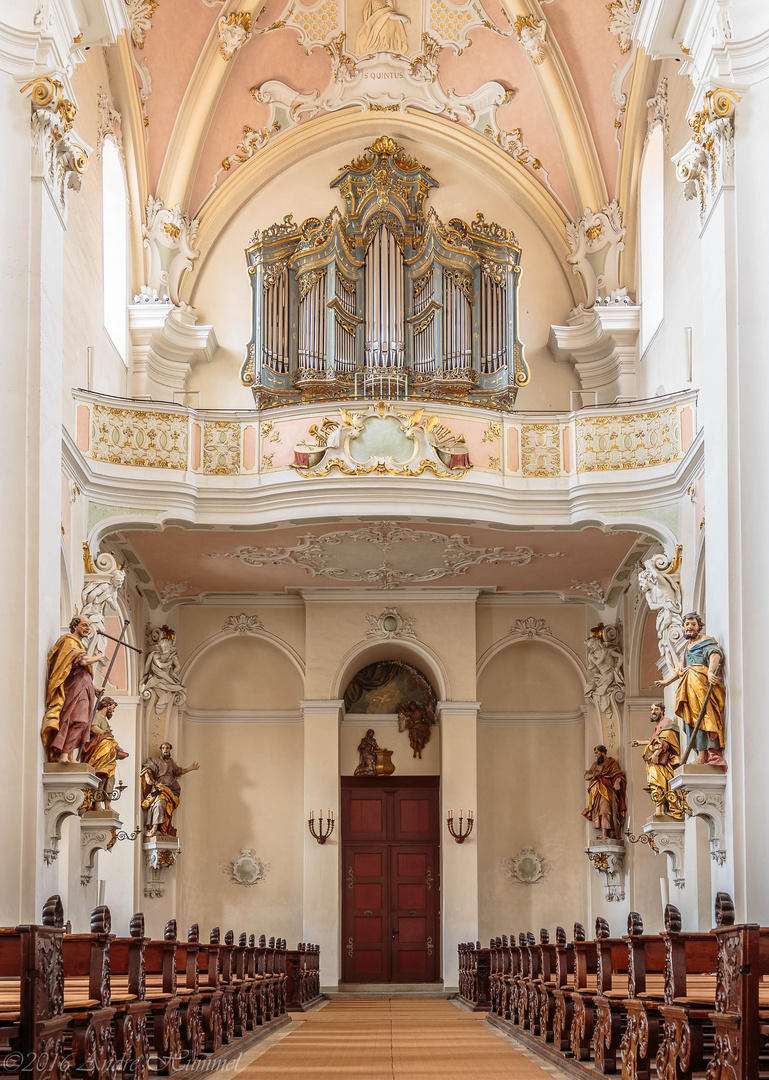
(410,652)
(263,635)
(552,642)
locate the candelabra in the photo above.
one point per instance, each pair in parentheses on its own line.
(322,834)
(462,835)
(644,838)
(122,835)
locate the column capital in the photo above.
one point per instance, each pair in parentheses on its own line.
(705,166)
(319,706)
(456,708)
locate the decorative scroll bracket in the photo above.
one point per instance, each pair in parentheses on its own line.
(669,837)
(160,853)
(704,792)
(98,831)
(600,344)
(64,787)
(608,859)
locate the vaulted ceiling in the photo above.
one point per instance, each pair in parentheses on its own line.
(555,87)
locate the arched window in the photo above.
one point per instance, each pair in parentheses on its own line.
(652,237)
(115,244)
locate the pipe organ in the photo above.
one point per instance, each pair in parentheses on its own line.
(384,299)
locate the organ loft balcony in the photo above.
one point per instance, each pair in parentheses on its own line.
(385,301)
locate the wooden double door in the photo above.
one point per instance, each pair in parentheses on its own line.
(391,887)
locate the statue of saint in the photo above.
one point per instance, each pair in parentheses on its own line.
(606,807)
(696,674)
(161,790)
(662,754)
(69,693)
(102,752)
(383,29)
(417,720)
(367,749)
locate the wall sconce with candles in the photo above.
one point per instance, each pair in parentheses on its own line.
(462,835)
(323,833)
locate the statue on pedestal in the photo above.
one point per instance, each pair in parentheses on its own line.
(69,695)
(700,694)
(662,757)
(367,749)
(606,807)
(161,790)
(102,753)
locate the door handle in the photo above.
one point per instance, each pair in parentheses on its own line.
(394,933)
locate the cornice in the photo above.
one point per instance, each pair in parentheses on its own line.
(415,595)
(242,716)
(500,719)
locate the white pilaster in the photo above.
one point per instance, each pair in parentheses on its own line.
(459,789)
(322,901)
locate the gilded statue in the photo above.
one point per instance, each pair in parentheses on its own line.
(700,690)
(662,756)
(606,806)
(69,693)
(102,752)
(367,749)
(161,791)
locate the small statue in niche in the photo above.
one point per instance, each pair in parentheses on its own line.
(367,749)
(662,758)
(700,694)
(161,790)
(606,806)
(417,720)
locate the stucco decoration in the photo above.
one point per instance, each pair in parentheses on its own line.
(242,624)
(706,163)
(390,624)
(59,157)
(102,582)
(110,124)
(595,244)
(659,115)
(234,32)
(382,441)
(606,678)
(663,594)
(161,685)
(530,628)
(527,867)
(169,237)
(407,555)
(384,57)
(247,869)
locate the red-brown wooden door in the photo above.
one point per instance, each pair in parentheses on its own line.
(390,892)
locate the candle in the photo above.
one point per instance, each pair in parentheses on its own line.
(312,815)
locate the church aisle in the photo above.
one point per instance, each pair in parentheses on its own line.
(392,1039)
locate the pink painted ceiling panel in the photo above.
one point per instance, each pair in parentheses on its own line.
(354,553)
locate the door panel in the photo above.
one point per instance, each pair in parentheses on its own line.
(390,896)
(366,916)
(414,954)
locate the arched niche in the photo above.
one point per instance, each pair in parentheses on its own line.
(243,673)
(530,675)
(373,698)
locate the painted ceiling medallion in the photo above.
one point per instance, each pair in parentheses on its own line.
(408,556)
(383,441)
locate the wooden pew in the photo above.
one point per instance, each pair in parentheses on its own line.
(690,997)
(584,992)
(612,971)
(547,982)
(129,996)
(519,966)
(87,998)
(646,992)
(234,991)
(531,985)
(302,990)
(213,999)
(497,948)
(563,1012)
(33,1024)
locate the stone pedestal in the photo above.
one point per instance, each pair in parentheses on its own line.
(669,839)
(64,788)
(608,859)
(98,832)
(160,853)
(705,791)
